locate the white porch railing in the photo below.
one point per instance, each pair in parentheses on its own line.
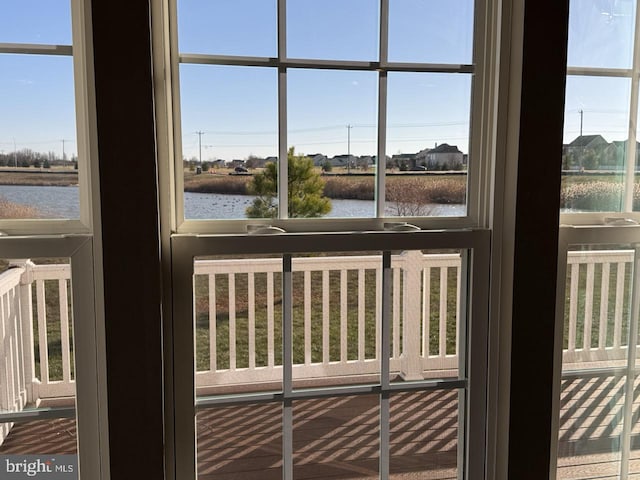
(422,340)
(598,306)
(337,313)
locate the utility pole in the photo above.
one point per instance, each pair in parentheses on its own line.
(349,127)
(63,155)
(581,112)
(199,133)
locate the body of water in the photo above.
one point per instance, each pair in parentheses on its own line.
(63,202)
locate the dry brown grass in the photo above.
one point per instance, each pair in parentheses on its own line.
(39,179)
(212,183)
(9,210)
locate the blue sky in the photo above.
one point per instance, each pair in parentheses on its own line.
(236,107)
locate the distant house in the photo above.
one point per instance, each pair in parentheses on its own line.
(365,161)
(235,163)
(614,156)
(318,159)
(444,156)
(255,162)
(343,160)
(404,160)
(593,142)
(588,152)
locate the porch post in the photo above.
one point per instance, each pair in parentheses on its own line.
(410,360)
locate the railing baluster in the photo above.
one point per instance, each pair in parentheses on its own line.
(13,351)
(270,321)
(378,310)
(426,309)
(213,330)
(588,308)
(232,321)
(8,351)
(325,317)
(617,323)
(64,331)
(397,275)
(307,317)
(444,280)
(20,360)
(573,307)
(361,314)
(251,295)
(343,315)
(604,306)
(4,389)
(42,332)
(458,290)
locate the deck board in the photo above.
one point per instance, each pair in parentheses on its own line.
(338,438)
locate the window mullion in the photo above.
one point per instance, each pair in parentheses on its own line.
(283,164)
(633,116)
(381,163)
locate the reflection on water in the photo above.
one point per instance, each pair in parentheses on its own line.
(63,202)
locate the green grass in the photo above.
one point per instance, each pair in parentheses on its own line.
(242,341)
(596,305)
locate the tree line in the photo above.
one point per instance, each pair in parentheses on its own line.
(27,158)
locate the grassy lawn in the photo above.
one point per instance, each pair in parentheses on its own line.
(596,305)
(316,316)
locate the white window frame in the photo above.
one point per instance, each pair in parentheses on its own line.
(596,235)
(482,140)
(90,363)
(633,73)
(472,449)
(82,53)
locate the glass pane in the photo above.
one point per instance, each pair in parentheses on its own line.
(238,324)
(336,319)
(37,357)
(228,27)
(229,136)
(432,31)
(336,437)
(601,33)
(335,128)
(241,441)
(597,328)
(595,144)
(426,318)
(38,150)
(425,435)
(427,144)
(333,29)
(35,21)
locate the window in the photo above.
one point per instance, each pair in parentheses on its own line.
(44,168)
(598,286)
(600,147)
(262,88)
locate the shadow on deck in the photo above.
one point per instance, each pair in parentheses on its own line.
(339,438)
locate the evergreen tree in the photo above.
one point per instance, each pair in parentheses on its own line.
(305,190)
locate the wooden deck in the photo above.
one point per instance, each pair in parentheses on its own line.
(338,438)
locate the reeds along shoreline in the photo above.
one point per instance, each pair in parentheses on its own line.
(409,188)
(10,210)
